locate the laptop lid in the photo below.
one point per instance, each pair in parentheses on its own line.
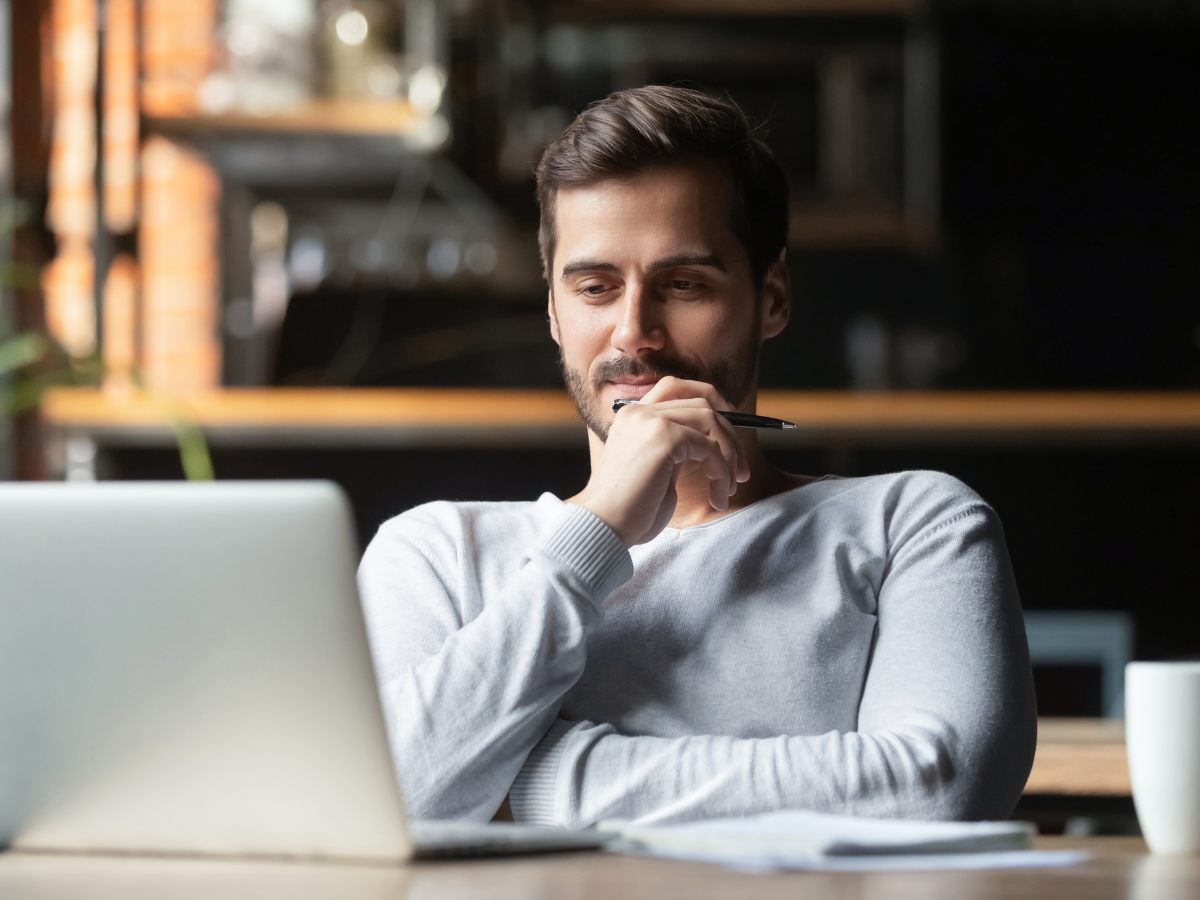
(184,669)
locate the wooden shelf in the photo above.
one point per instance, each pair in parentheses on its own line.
(1033,416)
(393,118)
(322,417)
(610,9)
(481,415)
(292,408)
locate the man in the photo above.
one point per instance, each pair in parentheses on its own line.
(694,633)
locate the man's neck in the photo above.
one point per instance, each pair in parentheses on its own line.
(693,506)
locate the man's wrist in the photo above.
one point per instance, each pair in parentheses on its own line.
(585,544)
(607,516)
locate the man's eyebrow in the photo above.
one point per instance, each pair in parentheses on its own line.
(710,260)
(586,265)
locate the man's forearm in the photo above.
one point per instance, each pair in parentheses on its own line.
(465,706)
(584,773)
(462,721)
(945,729)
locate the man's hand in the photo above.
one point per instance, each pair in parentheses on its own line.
(632,487)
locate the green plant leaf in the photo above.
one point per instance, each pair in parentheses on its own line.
(21,350)
(193,450)
(21,396)
(23,391)
(13,213)
(18,275)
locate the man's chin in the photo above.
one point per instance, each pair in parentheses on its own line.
(597,425)
(594,416)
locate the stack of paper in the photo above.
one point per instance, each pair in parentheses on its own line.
(814,840)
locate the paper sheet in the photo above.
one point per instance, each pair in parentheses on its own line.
(1008,859)
(798,839)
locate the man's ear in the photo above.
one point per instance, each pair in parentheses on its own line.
(776,296)
(553,317)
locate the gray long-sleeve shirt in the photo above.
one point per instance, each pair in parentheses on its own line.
(853,646)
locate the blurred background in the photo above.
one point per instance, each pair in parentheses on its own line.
(297,238)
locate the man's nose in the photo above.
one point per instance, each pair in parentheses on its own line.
(639,326)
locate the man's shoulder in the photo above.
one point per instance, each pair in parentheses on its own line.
(452,523)
(903,502)
(913,486)
(909,486)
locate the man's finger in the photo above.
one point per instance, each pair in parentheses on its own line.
(695,446)
(705,420)
(671,388)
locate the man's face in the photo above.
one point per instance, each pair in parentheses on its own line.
(649,280)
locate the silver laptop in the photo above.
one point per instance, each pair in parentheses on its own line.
(184,669)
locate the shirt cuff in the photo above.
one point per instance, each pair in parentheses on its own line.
(532,795)
(583,544)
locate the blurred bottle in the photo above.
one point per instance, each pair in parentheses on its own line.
(922,356)
(267,60)
(869,353)
(359,48)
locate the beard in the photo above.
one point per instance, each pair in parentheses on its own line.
(734,378)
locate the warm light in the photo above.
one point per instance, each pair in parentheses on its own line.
(480,258)
(425,88)
(383,80)
(352,27)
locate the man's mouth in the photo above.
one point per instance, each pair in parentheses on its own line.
(632,388)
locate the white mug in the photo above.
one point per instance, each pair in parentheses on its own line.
(1162,733)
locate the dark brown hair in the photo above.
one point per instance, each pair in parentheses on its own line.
(634,130)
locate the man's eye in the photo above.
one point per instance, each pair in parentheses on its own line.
(684,286)
(593,290)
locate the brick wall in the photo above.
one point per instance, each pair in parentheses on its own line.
(162,309)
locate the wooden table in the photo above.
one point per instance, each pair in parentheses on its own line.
(1121,868)
(1081,757)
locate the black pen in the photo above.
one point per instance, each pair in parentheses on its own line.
(741,420)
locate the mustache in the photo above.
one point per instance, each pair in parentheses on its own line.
(657,367)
